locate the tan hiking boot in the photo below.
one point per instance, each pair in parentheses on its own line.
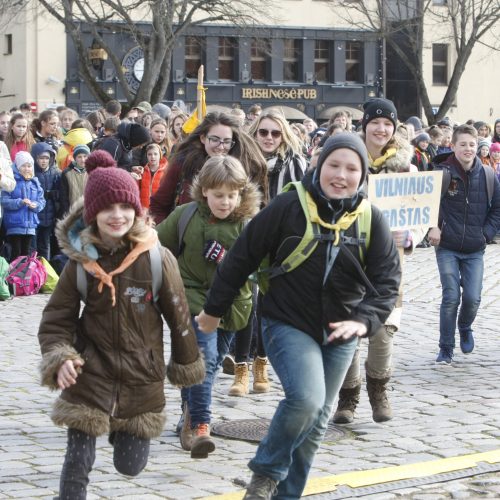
(377,392)
(348,401)
(241,380)
(202,443)
(186,433)
(260,378)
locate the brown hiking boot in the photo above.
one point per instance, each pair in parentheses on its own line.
(260,488)
(348,401)
(186,433)
(228,365)
(241,380)
(260,378)
(377,392)
(202,443)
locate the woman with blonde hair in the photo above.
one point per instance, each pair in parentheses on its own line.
(281,149)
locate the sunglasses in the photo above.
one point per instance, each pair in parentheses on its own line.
(275,134)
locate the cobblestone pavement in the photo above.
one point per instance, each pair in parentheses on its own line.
(439,411)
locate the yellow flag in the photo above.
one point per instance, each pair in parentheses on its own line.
(195,119)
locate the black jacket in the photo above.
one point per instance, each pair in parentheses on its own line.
(466,218)
(117,146)
(299,297)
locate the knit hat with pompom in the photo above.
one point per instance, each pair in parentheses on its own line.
(99,158)
(107,186)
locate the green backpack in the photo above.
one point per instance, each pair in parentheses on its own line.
(4,287)
(312,236)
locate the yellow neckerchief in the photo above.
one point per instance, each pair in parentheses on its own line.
(105,278)
(345,221)
(376,164)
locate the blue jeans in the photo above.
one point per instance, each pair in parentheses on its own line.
(311,375)
(457,270)
(214,347)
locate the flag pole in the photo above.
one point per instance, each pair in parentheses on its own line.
(199,94)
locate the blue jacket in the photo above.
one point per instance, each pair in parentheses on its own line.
(50,181)
(467,219)
(18,218)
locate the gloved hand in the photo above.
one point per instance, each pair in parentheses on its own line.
(214,251)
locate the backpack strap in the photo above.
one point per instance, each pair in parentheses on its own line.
(156,272)
(81,282)
(364,229)
(184,219)
(445,182)
(309,241)
(312,236)
(490,182)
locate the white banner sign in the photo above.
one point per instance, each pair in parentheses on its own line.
(408,200)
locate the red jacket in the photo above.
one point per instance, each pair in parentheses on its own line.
(150,182)
(16,147)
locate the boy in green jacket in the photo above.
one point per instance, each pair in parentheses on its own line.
(224,201)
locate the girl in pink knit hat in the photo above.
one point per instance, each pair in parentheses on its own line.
(495,157)
(108,360)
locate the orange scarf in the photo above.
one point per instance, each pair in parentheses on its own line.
(105,278)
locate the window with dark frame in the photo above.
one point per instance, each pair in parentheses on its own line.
(259,57)
(226,58)
(322,60)
(291,55)
(353,61)
(8,45)
(440,64)
(193,45)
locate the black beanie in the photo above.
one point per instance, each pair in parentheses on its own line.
(138,135)
(379,108)
(344,140)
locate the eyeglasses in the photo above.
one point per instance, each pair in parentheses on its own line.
(275,134)
(217,141)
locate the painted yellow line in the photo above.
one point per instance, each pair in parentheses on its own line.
(358,479)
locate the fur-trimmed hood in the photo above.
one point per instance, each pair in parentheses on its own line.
(249,204)
(401,161)
(68,232)
(76,244)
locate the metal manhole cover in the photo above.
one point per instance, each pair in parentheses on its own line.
(254,429)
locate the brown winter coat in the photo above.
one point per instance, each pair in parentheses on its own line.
(121,384)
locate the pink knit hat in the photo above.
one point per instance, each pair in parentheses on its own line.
(495,147)
(106,186)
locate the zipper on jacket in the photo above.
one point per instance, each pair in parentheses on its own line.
(117,369)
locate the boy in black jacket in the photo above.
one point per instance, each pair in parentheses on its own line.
(313,315)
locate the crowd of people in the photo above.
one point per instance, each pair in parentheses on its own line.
(225,233)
